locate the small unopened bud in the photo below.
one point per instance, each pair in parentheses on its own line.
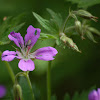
(85,14)
(4,18)
(94,30)
(17,92)
(69,42)
(78,28)
(90,36)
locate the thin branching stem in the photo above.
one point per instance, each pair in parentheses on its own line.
(64,25)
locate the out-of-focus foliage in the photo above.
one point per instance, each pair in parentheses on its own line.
(8,25)
(85,3)
(53,97)
(78,96)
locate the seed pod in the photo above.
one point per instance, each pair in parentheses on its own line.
(69,42)
(90,36)
(85,14)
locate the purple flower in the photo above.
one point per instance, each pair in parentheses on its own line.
(26,63)
(2,91)
(94,95)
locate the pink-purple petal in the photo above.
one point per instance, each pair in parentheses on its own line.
(7,52)
(93,95)
(26,65)
(17,38)
(32,35)
(8,55)
(98,93)
(45,53)
(45,57)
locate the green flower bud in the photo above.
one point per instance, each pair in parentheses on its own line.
(85,14)
(78,27)
(94,30)
(17,92)
(69,42)
(90,36)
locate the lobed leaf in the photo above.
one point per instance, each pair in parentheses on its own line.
(46,36)
(45,23)
(56,17)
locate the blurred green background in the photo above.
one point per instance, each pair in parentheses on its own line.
(71,71)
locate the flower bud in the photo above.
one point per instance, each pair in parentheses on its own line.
(78,27)
(69,42)
(85,14)
(17,92)
(90,36)
(94,30)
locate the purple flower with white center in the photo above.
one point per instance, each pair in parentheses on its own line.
(26,63)
(2,91)
(94,95)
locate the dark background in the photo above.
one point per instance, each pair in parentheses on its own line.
(71,71)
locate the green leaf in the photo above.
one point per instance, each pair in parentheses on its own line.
(84,95)
(45,23)
(37,92)
(76,96)
(53,97)
(85,3)
(46,36)
(26,91)
(9,25)
(90,36)
(56,17)
(58,41)
(67,97)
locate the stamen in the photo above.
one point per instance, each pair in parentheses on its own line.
(28,43)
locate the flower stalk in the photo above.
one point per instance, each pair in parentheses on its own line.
(26,74)
(10,71)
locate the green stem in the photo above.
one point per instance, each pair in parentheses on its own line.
(29,82)
(10,71)
(26,74)
(49,79)
(63,29)
(69,28)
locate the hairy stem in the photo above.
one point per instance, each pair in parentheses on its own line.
(10,71)
(64,25)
